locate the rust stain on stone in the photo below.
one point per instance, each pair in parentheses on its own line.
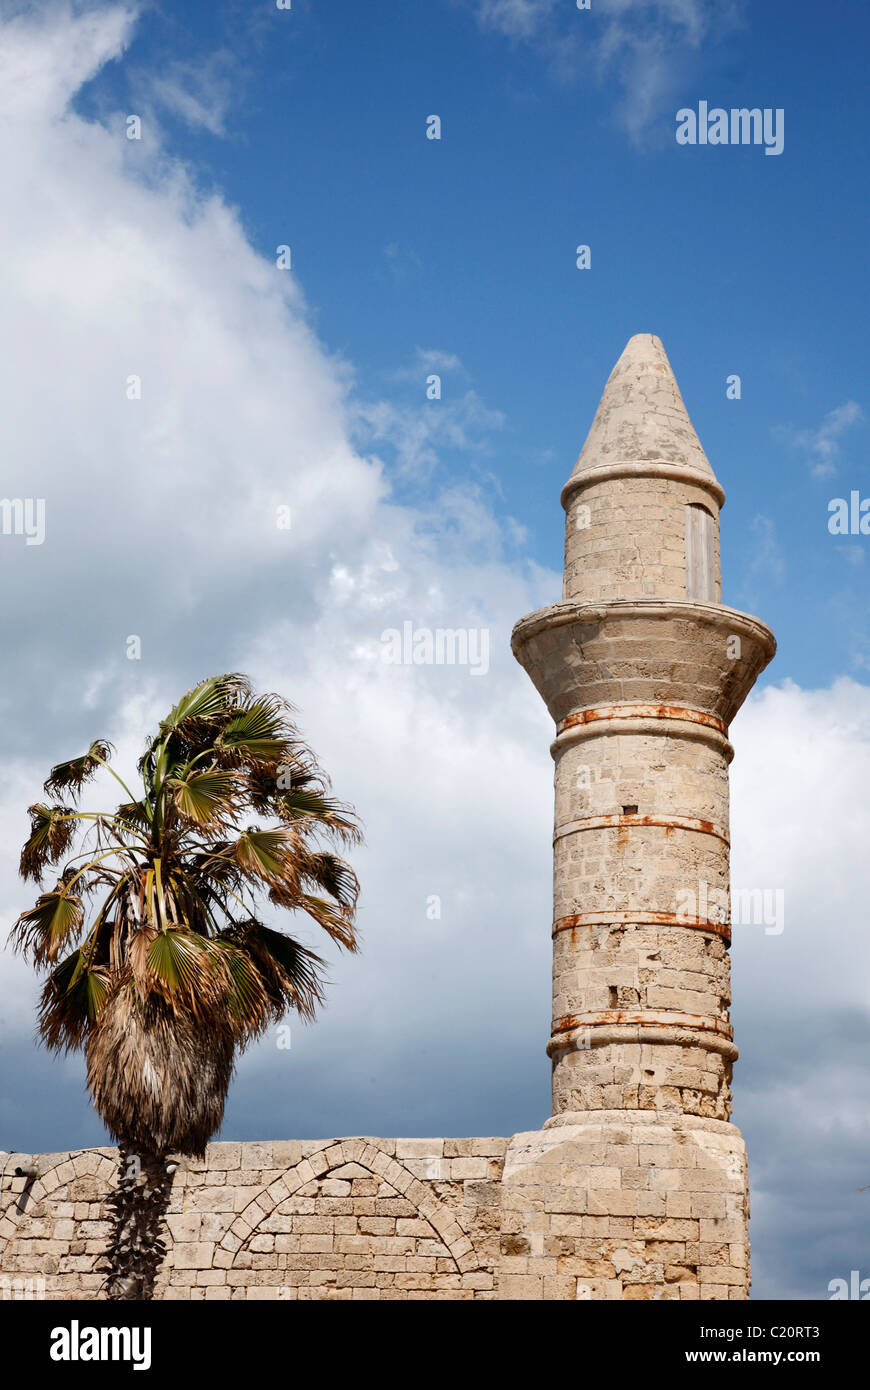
(643,1018)
(669,823)
(691,716)
(641,918)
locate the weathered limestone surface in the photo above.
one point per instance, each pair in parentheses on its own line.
(617,1207)
(637,1188)
(337,1219)
(623,1205)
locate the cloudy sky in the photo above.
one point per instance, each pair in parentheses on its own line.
(262,388)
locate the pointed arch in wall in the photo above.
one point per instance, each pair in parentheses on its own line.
(380,1165)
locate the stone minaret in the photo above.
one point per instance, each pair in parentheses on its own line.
(642,668)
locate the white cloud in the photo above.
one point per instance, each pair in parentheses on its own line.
(690,18)
(800,822)
(417,433)
(823,444)
(426,360)
(49,54)
(161,523)
(642,47)
(402,261)
(516,18)
(199,95)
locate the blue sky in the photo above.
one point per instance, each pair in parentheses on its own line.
(739,262)
(263,387)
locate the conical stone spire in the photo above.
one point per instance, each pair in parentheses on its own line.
(642,475)
(641,417)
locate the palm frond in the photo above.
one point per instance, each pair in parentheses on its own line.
(206,798)
(257,733)
(252,1006)
(178,960)
(42,929)
(320,812)
(290,974)
(262,852)
(208,700)
(70,1003)
(337,922)
(336,876)
(52,830)
(135,814)
(71,776)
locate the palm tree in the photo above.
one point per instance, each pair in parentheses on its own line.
(160,968)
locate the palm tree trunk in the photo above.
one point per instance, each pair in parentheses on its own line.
(139,1202)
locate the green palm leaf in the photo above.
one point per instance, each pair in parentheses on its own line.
(257,732)
(177,959)
(135,814)
(204,797)
(44,928)
(71,1001)
(289,972)
(262,852)
(207,700)
(250,1001)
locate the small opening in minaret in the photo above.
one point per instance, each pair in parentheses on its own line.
(629,810)
(614,997)
(700,554)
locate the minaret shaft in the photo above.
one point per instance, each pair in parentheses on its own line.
(640,978)
(642,692)
(642,669)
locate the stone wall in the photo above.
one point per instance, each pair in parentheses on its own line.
(650,1206)
(350,1219)
(626,1206)
(626,537)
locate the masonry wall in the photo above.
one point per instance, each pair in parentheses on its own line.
(649,1206)
(626,537)
(626,1206)
(336,1219)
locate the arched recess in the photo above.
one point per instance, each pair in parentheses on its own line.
(87,1163)
(380,1165)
